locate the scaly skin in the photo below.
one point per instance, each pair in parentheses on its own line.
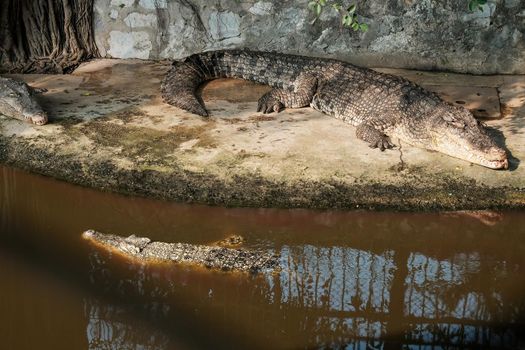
(383,107)
(17,101)
(219,256)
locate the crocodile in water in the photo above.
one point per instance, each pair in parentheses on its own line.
(221,255)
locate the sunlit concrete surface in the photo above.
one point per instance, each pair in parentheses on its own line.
(109,129)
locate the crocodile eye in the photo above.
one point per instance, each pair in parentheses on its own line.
(457,124)
(481,124)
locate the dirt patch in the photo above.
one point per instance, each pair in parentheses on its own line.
(138,142)
(128,114)
(506,110)
(261,118)
(68,122)
(202,133)
(232,90)
(232,120)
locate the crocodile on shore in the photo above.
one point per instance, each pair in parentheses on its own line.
(17,101)
(220,255)
(383,107)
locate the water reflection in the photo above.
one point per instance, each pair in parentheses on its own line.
(106,331)
(109,325)
(331,297)
(357,280)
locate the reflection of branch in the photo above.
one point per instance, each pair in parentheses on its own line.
(343,280)
(486,217)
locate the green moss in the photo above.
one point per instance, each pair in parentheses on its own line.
(141,141)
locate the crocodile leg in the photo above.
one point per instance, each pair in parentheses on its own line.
(277,99)
(374,137)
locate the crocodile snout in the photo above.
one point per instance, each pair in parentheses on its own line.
(39,119)
(498,157)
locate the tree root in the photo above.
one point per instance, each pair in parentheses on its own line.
(46,36)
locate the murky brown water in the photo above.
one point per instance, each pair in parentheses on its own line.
(355,280)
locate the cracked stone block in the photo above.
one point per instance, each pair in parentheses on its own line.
(512,3)
(153,4)
(129,45)
(261,8)
(136,19)
(512,93)
(391,42)
(224,25)
(483,102)
(481,18)
(122,3)
(179,36)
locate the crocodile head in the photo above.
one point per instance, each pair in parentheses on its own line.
(454,131)
(17,101)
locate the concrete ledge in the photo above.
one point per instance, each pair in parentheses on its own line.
(110,130)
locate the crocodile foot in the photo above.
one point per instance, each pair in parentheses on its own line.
(383,142)
(268,104)
(374,137)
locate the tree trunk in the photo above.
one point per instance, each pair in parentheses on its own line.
(45,36)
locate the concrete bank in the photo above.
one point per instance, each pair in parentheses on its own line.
(109,130)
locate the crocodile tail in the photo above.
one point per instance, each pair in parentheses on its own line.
(181,83)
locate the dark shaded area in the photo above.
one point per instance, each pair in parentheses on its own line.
(500,140)
(41,36)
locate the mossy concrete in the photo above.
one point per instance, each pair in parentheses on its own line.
(110,130)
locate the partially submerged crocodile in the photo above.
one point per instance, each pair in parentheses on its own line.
(220,255)
(17,101)
(383,107)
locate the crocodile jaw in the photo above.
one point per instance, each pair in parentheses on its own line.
(38,118)
(498,160)
(490,156)
(493,158)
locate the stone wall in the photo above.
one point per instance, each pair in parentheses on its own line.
(419,34)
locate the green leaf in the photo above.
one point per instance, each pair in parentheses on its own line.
(351,9)
(322,2)
(481,2)
(347,20)
(472,5)
(337,6)
(312,4)
(355,26)
(318,9)
(363,27)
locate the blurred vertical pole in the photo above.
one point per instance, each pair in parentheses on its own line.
(396,326)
